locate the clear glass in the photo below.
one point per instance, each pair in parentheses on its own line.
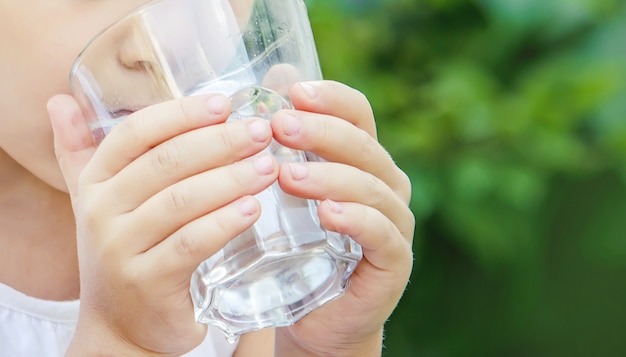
(286,265)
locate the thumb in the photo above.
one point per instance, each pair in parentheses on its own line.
(73,143)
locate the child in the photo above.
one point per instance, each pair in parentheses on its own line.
(76,222)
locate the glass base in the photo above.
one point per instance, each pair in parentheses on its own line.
(278,288)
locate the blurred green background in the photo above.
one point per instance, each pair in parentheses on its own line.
(510,118)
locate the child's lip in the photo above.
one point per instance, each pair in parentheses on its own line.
(123,112)
(128,109)
(119,113)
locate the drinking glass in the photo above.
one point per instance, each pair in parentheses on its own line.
(253,51)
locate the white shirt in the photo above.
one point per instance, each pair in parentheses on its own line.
(33,327)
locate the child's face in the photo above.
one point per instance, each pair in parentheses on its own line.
(39,40)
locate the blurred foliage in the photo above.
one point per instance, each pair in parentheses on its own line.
(510,118)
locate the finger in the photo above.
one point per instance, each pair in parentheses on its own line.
(339,141)
(189,154)
(387,257)
(281,77)
(73,143)
(382,243)
(149,127)
(181,253)
(343,183)
(335,99)
(185,201)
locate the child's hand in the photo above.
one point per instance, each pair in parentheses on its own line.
(162,193)
(366,197)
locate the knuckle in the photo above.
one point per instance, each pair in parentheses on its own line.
(90,217)
(177,199)
(222,227)
(323,134)
(238,177)
(369,147)
(92,207)
(367,107)
(135,126)
(131,278)
(187,244)
(376,193)
(404,188)
(168,157)
(184,108)
(409,231)
(225,137)
(363,102)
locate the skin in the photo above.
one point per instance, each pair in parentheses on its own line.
(65,204)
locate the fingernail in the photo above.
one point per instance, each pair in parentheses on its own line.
(264,165)
(260,130)
(247,207)
(334,206)
(216,104)
(298,171)
(309,90)
(291,125)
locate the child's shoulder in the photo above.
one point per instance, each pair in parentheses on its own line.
(35,327)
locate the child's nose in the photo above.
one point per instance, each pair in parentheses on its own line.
(136,50)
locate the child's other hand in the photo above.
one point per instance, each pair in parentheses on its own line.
(166,189)
(365,195)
